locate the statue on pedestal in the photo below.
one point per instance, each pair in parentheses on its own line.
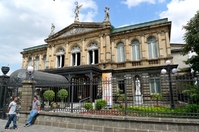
(52,30)
(137,86)
(77,12)
(106,19)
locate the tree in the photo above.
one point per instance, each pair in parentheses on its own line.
(191,37)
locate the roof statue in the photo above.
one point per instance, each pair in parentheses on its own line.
(52,30)
(77,12)
(106,19)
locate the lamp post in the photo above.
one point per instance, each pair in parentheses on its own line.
(30,77)
(164,71)
(3,91)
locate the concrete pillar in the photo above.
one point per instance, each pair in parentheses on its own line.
(27,95)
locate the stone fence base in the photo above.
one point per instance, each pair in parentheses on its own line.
(113,123)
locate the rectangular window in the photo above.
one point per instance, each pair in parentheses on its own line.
(152,49)
(121,86)
(136,52)
(96,56)
(60,61)
(78,59)
(93,56)
(120,54)
(155,85)
(37,63)
(90,56)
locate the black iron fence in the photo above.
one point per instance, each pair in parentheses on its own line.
(127,96)
(146,95)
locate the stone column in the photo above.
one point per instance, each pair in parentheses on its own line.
(168,44)
(127,50)
(108,50)
(83,59)
(102,49)
(143,48)
(27,95)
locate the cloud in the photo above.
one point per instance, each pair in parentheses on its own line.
(26,23)
(179,12)
(131,3)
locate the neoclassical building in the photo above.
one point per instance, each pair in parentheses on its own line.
(90,49)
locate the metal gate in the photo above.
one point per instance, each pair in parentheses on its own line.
(7,91)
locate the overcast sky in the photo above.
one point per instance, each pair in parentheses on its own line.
(26,23)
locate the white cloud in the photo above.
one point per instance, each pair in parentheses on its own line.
(179,12)
(25,23)
(131,3)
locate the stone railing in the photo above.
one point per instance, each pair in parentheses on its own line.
(101,123)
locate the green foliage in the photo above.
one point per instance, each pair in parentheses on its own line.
(157,97)
(191,37)
(193,92)
(192,108)
(62,94)
(20,94)
(49,95)
(100,104)
(88,106)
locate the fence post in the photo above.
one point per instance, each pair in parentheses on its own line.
(126,109)
(72,92)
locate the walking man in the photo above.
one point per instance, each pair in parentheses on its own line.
(12,114)
(35,110)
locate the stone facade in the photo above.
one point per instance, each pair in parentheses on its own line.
(136,50)
(106,38)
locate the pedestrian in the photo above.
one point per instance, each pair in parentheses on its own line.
(11,112)
(35,110)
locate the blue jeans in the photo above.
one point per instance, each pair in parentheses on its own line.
(11,117)
(33,113)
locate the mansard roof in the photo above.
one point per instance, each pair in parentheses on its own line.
(38,47)
(141,25)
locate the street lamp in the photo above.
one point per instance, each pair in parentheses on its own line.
(30,77)
(164,71)
(30,71)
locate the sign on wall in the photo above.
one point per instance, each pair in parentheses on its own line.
(107,88)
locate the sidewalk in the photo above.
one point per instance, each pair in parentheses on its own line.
(38,128)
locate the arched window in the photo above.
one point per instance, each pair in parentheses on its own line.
(60,58)
(37,63)
(120,52)
(93,54)
(44,62)
(152,48)
(75,56)
(135,50)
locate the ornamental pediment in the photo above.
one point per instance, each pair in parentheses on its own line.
(75,31)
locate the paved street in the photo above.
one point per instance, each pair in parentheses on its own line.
(38,128)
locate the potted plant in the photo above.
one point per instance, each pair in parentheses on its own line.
(157,97)
(62,94)
(48,96)
(100,104)
(88,106)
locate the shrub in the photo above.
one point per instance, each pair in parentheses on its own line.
(88,106)
(62,94)
(192,108)
(49,95)
(100,104)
